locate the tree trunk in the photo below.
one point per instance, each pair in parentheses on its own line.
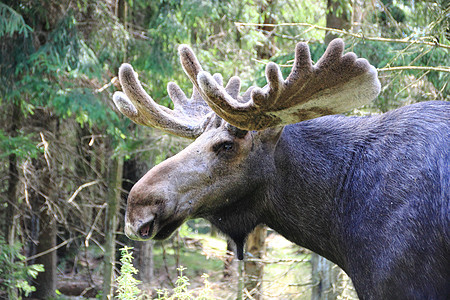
(9,224)
(114,197)
(214,231)
(121,11)
(42,198)
(228,263)
(254,270)
(145,262)
(337,18)
(357,13)
(46,281)
(327,279)
(266,50)
(13,178)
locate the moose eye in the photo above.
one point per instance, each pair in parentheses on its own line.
(227,146)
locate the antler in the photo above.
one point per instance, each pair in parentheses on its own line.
(335,84)
(189,118)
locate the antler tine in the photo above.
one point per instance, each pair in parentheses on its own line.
(190,63)
(217,96)
(137,105)
(195,72)
(336,84)
(176,94)
(233,87)
(275,85)
(302,63)
(332,54)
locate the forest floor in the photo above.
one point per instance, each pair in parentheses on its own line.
(287,270)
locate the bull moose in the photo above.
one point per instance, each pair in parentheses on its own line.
(371,194)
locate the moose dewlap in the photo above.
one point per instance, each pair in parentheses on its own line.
(371,194)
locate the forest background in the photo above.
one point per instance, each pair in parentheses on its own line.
(68,158)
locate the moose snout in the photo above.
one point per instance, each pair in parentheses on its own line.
(147,206)
(141,229)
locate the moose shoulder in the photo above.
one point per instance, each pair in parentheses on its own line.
(369,193)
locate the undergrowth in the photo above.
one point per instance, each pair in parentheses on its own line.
(128,286)
(15,273)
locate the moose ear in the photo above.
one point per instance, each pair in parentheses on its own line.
(271,135)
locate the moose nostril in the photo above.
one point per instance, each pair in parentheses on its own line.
(146,229)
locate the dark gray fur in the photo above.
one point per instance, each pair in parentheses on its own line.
(371,194)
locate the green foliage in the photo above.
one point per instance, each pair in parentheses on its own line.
(181,290)
(127,285)
(14,271)
(12,22)
(21,145)
(57,72)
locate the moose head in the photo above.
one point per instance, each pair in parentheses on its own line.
(233,159)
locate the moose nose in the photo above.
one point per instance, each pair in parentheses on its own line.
(141,230)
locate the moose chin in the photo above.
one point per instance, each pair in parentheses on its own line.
(371,194)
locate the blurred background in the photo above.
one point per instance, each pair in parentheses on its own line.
(68,158)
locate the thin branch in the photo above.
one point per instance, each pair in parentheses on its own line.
(441,17)
(303,284)
(113,81)
(49,250)
(355,35)
(401,68)
(386,69)
(80,188)
(88,237)
(276,261)
(46,152)
(266,62)
(164,257)
(412,83)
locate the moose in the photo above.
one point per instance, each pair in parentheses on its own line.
(371,194)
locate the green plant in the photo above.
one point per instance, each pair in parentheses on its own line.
(127,285)
(181,291)
(14,271)
(206,292)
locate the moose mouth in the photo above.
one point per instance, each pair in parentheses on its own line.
(167,230)
(150,230)
(145,231)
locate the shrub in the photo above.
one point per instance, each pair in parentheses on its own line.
(14,271)
(127,285)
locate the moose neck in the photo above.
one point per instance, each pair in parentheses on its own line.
(312,159)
